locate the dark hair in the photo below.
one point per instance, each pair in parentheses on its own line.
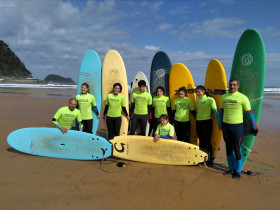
(141,83)
(160,88)
(164,116)
(201,87)
(234,79)
(87,86)
(118,84)
(182,89)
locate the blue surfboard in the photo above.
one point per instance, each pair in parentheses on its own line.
(159,75)
(51,142)
(90,72)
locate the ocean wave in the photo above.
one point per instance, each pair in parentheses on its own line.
(39,86)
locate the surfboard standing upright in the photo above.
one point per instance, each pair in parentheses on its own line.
(113,71)
(181,76)
(249,65)
(140,76)
(90,73)
(216,85)
(160,70)
(51,142)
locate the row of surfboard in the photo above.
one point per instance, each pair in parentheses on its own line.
(248,66)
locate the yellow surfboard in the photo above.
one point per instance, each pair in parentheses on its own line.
(181,76)
(216,85)
(113,71)
(164,151)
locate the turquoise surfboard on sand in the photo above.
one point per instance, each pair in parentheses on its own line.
(51,142)
(90,72)
(159,75)
(249,65)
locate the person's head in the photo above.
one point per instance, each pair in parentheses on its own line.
(182,92)
(85,88)
(233,85)
(142,86)
(72,103)
(164,119)
(160,91)
(200,91)
(117,88)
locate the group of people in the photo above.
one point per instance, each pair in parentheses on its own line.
(157,111)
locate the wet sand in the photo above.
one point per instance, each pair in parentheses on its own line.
(33,182)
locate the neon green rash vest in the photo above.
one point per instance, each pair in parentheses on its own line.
(115,102)
(160,103)
(204,107)
(167,130)
(183,107)
(234,104)
(66,117)
(85,102)
(141,100)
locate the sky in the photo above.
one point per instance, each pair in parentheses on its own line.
(51,36)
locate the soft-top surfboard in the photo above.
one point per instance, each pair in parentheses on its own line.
(90,73)
(159,75)
(140,76)
(113,71)
(249,66)
(51,142)
(216,86)
(164,151)
(181,76)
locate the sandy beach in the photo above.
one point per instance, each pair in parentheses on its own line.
(33,182)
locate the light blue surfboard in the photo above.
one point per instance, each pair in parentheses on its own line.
(90,72)
(51,142)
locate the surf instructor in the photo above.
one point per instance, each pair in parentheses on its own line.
(65,116)
(232,105)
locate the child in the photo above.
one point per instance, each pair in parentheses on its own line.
(165,129)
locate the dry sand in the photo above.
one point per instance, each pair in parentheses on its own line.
(33,182)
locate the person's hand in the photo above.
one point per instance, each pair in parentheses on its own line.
(64,130)
(98,116)
(128,118)
(254,131)
(157,137)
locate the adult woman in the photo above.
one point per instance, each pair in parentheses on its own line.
(85,103)
(205,105)
(160,106)
(182,106)
(115,104)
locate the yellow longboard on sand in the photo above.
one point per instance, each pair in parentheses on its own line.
(216,85)
(113,71)
(164,151)
(181,76)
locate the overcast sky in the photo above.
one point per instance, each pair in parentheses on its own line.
(51,37)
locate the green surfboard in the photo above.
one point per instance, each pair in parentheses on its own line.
(249,65)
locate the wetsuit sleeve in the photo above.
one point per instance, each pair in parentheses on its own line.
(217,117)
(221,115)
(165,137)
(132,106)
(55,122)
(252,119)
(106,109)
(169,112)
(95,110)
(124,110)
(150,111)
(193,113)
(153,111)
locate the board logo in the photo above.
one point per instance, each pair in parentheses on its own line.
(84,74)
(119,150)
(247,59)
(160,73)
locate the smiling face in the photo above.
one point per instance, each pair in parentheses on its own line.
(72,104)
(84,89)
(163,121)
(233,86)
(181,94)
(200,93)
(142,88)
(159,92)
(117,90)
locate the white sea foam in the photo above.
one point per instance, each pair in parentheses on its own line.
(39,86)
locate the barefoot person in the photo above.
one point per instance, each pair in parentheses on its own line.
(233,104)
(65,116)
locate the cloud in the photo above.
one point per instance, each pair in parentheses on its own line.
(164,27)
(154,48)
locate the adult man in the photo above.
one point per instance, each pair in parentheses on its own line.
(141,105)
(233,104)
(65,116)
